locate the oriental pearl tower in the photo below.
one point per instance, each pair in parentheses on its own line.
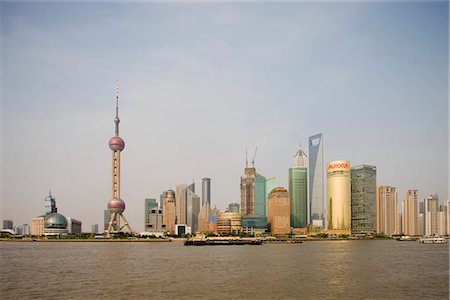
(116,205)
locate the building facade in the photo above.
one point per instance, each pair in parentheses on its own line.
(317,214)
(94,228)
(37,226)
(409,216)
(339,195)
(149,204)
(192,209)
(229,222)
(363,199)
(180,203)
(386,210)
(206,191)
(248,192)
(298,190)
(8,224)
(260,195)
(442,220)
(169,211)
(73,226)
(431,215)
(279,211)
(256,225)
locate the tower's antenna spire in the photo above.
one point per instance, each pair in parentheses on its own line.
(246,158)
(116,119)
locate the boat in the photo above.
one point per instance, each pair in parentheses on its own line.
(221,241)
(407,238)
(432,240)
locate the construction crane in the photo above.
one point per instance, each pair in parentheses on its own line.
(254,157)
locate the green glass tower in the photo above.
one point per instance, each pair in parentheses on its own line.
(298,190)
(260,195)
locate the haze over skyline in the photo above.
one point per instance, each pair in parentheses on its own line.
(201,82)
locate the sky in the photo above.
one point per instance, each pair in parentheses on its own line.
(201,82)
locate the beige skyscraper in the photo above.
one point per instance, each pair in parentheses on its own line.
(431,215)
(409,218)
(386,210)
(338,195)
(169,210)
(279,211)
(37,226)
(180,204)
(442,220)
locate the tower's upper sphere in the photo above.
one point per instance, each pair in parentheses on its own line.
(116,143)
(56,221)
(116,205)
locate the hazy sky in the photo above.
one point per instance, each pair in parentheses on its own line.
(201,82)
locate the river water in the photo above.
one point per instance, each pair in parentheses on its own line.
(384,269)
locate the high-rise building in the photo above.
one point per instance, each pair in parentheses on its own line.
(363,198)
(260,195)
(399,223)
(316,181)
(339,195)
(180,203)
(149,204)
(386,210)
(169,211)
(279,211)
(203,217)
(248,191)
(37,225)
(206,191)
(298,190)
(421,219)
(94,228)
(442,220)
(233,207)
(156,223)
(409,217)
(192,208)
(431,215)
(116,205)
(8,224)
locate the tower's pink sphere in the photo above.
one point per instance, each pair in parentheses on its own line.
(116,205)
(116,143)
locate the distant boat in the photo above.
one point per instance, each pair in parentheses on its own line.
(433,240)
(221,241)
(407,238)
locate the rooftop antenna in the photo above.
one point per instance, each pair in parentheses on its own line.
(116,119)
(254,157)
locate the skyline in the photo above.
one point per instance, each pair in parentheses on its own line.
(196,96)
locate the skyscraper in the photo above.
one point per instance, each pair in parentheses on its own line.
(149,204)
(431,215)
(409,217)
(94,228)
(192,208)
(206,191)
(8,224)
(180,203)
(386,210)
(169,213)
(248,191)
(316,181)
(298,190)
(338,195)
(260,195)
(116,205)
(278,211)
(442,220)
(363,198)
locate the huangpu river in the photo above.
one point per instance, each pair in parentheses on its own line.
(377,269)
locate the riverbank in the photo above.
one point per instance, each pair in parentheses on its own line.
(88,240)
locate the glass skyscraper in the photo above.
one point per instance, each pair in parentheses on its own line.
(260,195)
(298,190)
(149,203)
(363,198)
(316,181)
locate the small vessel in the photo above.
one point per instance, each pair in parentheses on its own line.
(221,241)
(407,238)
(433,240)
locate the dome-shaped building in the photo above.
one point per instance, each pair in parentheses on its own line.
(55,224)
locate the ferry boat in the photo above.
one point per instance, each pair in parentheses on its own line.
(433,240)
(407,238)
(221,241)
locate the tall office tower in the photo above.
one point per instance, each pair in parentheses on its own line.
(386,210)
(316,181)
(169,212)
(298,190)
(233,207)
(156,223)
(363,198)
(50,204)
(106,217)
(279,211)
(442,220)
(203,217)
(192,209)
(8,224)
(409,217)
(37,225)
(260,194)
(431,214)
(399,223)
(149,204)
(116,205)
(206,191)
(338,195)
(94,228)
(180,203)
(421,219)
(248,191)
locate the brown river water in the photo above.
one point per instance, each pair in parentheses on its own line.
(383,269)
